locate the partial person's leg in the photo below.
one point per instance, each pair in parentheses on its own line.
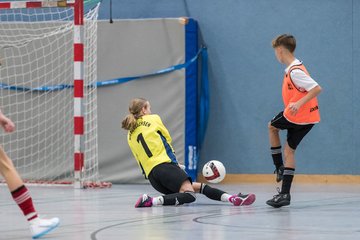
(21,196)
(172,181)
(289,170)
(289,154)
(295,135)
(274,137)
(186,194)
(275,145)
(9,172)
(16,186)
(219,195)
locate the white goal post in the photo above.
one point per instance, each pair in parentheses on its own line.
(48,88)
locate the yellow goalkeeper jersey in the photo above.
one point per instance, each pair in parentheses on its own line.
(150,143)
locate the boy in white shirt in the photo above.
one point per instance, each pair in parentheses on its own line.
(301,112)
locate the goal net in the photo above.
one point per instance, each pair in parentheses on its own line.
(37,79)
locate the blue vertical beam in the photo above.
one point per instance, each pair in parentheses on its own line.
(191,81)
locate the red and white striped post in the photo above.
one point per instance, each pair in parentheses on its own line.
(78,93)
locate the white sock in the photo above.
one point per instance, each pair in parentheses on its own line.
(158,201)
(225,197)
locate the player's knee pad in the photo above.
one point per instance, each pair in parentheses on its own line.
(187,197)
(179,198)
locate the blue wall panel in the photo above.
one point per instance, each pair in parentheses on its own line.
(356,89)
(245,77)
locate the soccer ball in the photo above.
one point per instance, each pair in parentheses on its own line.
(214,171)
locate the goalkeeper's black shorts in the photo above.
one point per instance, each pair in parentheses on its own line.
(167,178)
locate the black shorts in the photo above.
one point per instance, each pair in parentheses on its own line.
(295,132)
(167,178)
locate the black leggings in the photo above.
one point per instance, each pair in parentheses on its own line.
(167,178)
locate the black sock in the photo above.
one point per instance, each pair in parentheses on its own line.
(287,180)
(179,198)
(277,156)
(212,193)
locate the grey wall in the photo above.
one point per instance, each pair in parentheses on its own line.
(131,48)
(245,78)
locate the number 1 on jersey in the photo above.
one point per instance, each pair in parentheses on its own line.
(140,139)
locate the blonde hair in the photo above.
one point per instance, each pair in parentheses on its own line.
(285,40)
(135,107)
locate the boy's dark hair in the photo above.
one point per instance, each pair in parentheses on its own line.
(285,40)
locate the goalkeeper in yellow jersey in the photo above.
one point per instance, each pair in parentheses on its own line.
(150,142)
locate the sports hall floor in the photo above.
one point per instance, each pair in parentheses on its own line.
(323,211)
